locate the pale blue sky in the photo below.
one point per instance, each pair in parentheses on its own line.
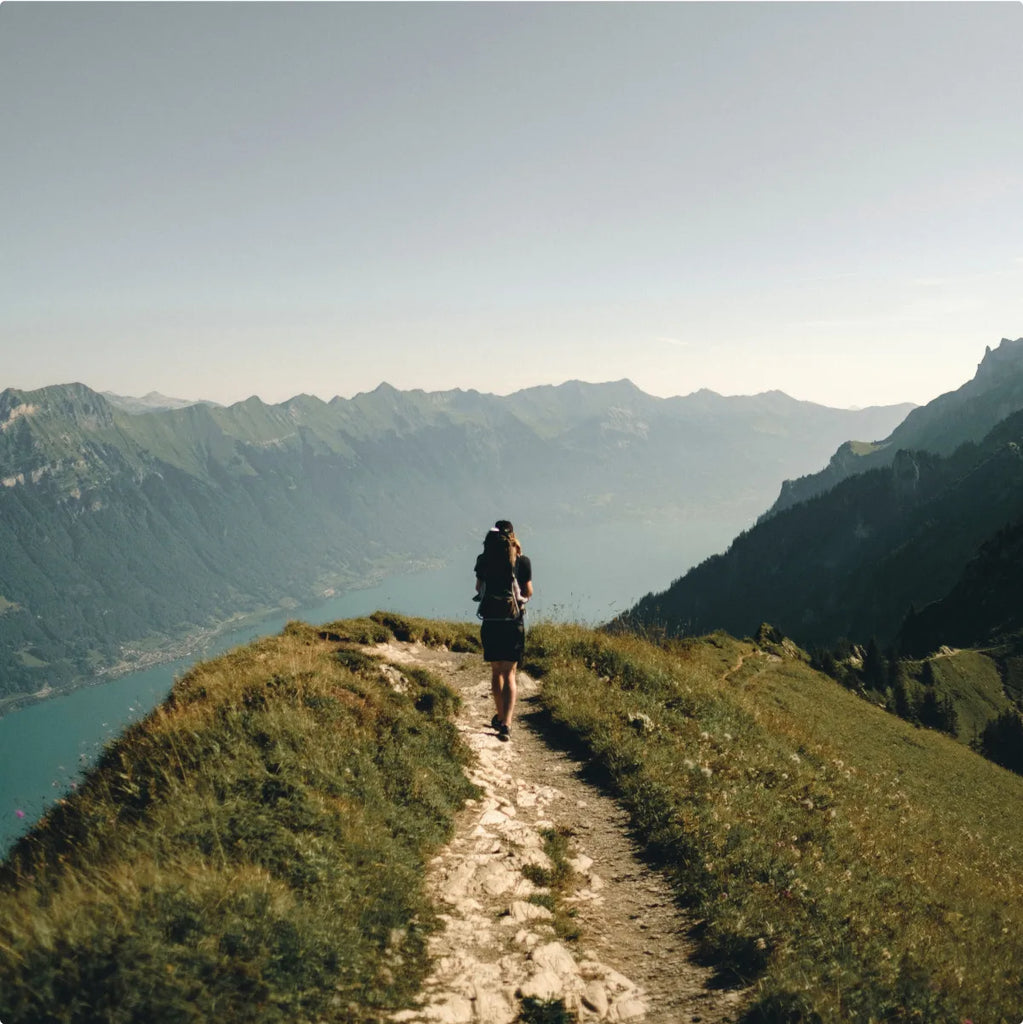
(219,200)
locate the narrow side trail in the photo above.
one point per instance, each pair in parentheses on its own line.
(633,958)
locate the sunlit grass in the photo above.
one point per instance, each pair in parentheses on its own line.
(252,851)
(851,866)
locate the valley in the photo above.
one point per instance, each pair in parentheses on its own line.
(139,531)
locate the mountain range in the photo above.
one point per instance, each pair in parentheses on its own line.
(941,426)
(909,540)
(123,525)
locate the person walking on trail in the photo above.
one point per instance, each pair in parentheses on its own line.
(504,583)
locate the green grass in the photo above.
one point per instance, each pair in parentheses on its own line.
(382,626)
(252,851)
(849,866)
(29,660)
(558,880)
(972,682)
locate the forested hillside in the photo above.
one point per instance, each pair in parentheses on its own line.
(119,531)
(855,561)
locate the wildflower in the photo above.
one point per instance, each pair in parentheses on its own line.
(19,813)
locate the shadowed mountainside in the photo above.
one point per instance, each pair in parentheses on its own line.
(854,561)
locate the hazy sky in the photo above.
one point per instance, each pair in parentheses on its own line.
(216,200)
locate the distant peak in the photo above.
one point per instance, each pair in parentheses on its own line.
(1008,353)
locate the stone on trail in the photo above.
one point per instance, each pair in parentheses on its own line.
(595,998)
(555,957)
(521,911)
(497,878)
(453,1010)
(627,1007)
(545,984)
(493,1007)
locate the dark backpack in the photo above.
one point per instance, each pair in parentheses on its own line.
(500,601)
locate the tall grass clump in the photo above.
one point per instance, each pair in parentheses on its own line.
(252,851)
(844,864)
(382,626)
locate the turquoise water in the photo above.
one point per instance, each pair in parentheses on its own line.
(586,576)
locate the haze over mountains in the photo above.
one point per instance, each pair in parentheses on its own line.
(941,426)
(930,514)
(120,529)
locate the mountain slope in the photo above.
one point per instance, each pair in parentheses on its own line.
(843,865)
(853,867)
(119,530)
(983,608)
(852,562)
(941,426)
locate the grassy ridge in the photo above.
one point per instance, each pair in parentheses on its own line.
(850,866)
(252,851)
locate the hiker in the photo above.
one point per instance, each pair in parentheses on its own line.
(504,583)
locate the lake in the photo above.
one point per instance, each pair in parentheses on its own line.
(584,576)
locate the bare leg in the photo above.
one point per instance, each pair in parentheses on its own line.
(502,686)
(509,693)
(496,682)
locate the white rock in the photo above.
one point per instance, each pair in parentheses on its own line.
(627,1007)
(537,858)
(581,863)
(524,888)
(595,998)
(520,911)
(617,982)
(542,985)
(494,818)
(497,878)
(596,883)
(493,1007)
(457,883)
(454,1010)
(553,956)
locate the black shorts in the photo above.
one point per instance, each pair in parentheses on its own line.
(503,639)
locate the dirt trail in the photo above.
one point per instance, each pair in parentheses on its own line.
(633,959)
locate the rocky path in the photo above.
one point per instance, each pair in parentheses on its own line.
(632,959)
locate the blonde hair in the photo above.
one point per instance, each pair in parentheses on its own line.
(503,526)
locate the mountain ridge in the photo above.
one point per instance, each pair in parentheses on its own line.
(895,534)
(124,527)
(940,426)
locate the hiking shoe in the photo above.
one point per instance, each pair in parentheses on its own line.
(495,722)
(503,733)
